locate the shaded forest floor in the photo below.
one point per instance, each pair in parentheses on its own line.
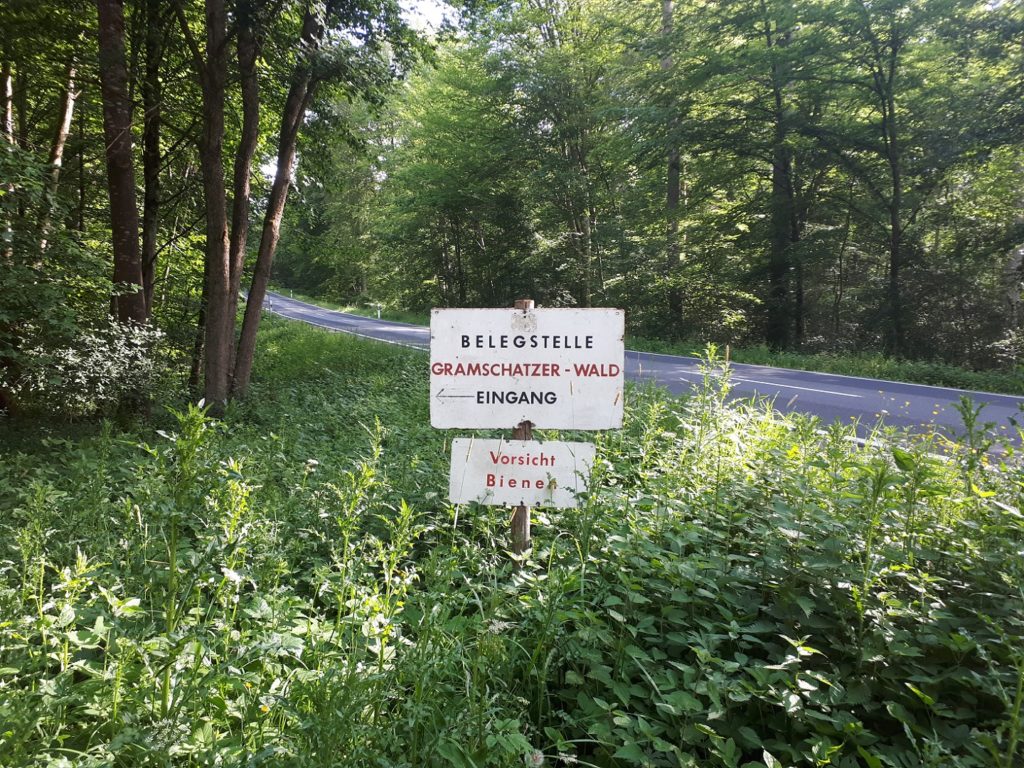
(289,586)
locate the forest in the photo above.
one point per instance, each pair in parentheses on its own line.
(225,537)
(825,177)
(819,176)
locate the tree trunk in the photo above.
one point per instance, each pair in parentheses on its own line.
(80,212)
(883,59)
(799,305)
(1013,276)
(675,296)
(779,310)
(7,86)
(248,51)
(220,310)
(7,93)
(129,304)
(1013,283)
(895,337)
(60,140)
(840,285)
(299,95)
(801,213)
(8,402)
(20,99)
(152,104)
(588,253)
(292,118)
(783,208)
(460,262)
(195,370)
(21,105)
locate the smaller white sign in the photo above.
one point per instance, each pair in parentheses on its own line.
(513,472)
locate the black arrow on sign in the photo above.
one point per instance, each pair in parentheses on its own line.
(441,396)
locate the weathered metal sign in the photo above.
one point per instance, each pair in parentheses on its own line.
(519,472)
(559,368)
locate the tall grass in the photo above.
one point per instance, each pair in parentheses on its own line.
(288,586)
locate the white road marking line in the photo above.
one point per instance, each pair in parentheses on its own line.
(739,366)
(793,386)
(776,384)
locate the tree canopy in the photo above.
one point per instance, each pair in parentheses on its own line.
(808,176)
(828,176)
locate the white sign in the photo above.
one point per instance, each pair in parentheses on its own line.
(559,368)
(515,472)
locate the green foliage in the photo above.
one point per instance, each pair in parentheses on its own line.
(96,373)
(59,352)
(48,298)
(287,586)
(776,593)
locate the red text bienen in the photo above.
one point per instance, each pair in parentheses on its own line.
(500,481)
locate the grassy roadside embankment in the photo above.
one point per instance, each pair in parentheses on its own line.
(288,586)
(870,365)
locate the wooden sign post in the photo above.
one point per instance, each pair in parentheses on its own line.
(523,431)
(521,516)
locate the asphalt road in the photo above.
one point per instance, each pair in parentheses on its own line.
(850,399)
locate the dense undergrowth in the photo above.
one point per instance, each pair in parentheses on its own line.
(288,586)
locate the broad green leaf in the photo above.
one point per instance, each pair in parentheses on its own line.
(870,759)
(632,753)
(904,459)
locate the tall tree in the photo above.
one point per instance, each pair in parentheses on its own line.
(558,58)
(909,124)
(885,31)
(7,96)
(220,309)
(248,51)
(218,315)
(363,71)
(783,205)
(300,92)
(453,200)
(129,301)
(672,196)
(152,107)
(56,159)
